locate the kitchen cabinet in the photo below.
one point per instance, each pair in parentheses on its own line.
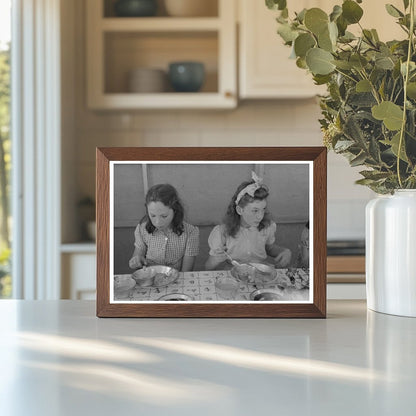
(78,263)
(265,70)
(346,277)
(118,45)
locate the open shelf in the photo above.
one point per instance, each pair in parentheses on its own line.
(118,45)
(160,24)
(209,9)
(127,51)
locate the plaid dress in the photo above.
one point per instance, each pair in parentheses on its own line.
(167,248)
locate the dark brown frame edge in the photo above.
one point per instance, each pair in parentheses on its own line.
(317,155)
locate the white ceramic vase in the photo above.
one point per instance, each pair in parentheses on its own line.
(391,253)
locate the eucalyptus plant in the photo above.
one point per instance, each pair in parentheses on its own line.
(369,111)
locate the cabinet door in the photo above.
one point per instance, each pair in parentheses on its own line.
(265,69)
(78,276)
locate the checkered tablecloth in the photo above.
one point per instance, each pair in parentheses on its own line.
(201,287)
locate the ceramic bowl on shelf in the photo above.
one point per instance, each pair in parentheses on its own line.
(186,76)
(191,8)
(147,80)
(135,8)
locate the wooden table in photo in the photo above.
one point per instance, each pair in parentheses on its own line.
(201,287)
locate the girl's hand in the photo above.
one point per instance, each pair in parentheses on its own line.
(137,262)
(283,258)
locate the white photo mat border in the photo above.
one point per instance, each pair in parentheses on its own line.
(258,171)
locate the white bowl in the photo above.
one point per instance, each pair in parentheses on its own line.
(191,8)
(147,80)
(157,276)
(144,277)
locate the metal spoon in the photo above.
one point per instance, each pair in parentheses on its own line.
(233,262)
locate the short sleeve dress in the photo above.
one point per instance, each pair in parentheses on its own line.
(249,244)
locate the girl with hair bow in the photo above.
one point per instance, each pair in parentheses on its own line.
(247,233)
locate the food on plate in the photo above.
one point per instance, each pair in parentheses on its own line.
(264,273)
(162,279)
(144,277)
(242,272)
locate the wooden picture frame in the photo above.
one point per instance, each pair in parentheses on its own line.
(277,163)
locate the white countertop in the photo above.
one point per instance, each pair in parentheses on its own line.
(57,358)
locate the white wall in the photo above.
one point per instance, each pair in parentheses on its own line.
(253,123)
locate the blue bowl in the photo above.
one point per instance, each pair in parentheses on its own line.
(135,8)
(186,76)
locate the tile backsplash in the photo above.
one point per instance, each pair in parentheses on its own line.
(253,123)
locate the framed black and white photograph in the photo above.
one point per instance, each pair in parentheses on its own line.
(211,232)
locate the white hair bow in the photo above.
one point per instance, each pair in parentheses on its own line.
(250,189)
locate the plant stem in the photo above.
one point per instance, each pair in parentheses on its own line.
(373,88)
(405,81)
(346,75)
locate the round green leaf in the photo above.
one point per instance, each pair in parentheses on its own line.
(358,61)
(336,12)
(393,11)
(351,11)
(319,61)
(384,62)
(363,86)
(303,43)
(325,42)
(411,90)
(301,15)
(333,32)
(301,63)
(328,38)
(345,65)
(316,20)
(287,33)
(394,143)
(276,4)
(375,35)
(391,114)
(322,79)
(412,67)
